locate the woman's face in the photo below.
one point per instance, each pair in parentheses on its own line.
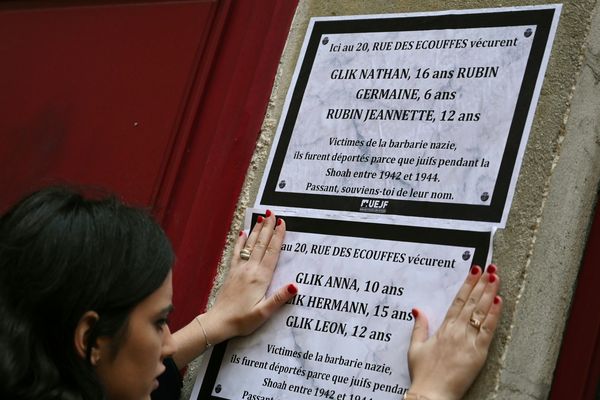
(132,373)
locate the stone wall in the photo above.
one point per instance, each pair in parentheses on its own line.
(539,252)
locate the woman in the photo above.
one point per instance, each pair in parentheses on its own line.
(85,294)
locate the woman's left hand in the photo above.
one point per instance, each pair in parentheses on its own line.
(241,306)
(444,365)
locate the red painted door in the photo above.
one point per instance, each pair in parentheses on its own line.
(160,102)
(577,374)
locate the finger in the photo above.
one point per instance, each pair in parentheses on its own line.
(489,293)
(264,237)
(274,248)
(488,327)
(239,245)
(271,304)
(463,293)
(420,331)
(475,296)
(253,236)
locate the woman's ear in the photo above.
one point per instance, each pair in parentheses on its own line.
(82,330)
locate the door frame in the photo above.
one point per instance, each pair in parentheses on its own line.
(219,130)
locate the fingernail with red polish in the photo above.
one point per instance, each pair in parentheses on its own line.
(415,312)
(496,300)
(279,221)
(268,213)
(292,289)
(259,219)
(491,269)
(492,278)
(241,233)
(475,270)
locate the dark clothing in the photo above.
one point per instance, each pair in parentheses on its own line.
(170,383)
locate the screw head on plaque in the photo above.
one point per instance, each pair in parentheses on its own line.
(466,255)
(218,388)
(282,184)
(485,196)
(325,40)
(528,32)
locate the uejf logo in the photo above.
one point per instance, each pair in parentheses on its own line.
(372,205)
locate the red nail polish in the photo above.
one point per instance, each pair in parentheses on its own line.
(491,269)
(279,221)
(415,312)
(492,278)
(475,270)
(241,233)
(268,213)
(292,289)
(259,219)
(496,300)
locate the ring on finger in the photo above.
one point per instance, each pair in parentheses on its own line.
(245,253)
(474,322)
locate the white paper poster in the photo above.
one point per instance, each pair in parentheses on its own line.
(346,334)
(418,115)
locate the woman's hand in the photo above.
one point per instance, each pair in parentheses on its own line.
(443,366)
(241,306)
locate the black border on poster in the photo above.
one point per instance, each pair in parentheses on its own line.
(541,18)
(479,240)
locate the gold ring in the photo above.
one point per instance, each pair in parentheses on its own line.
(475,323)
(246,253)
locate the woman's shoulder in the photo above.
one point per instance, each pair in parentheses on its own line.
(170,382)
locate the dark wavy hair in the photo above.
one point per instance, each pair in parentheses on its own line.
(62,254)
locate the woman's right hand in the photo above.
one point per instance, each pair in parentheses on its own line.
(241,305)
(443,366)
